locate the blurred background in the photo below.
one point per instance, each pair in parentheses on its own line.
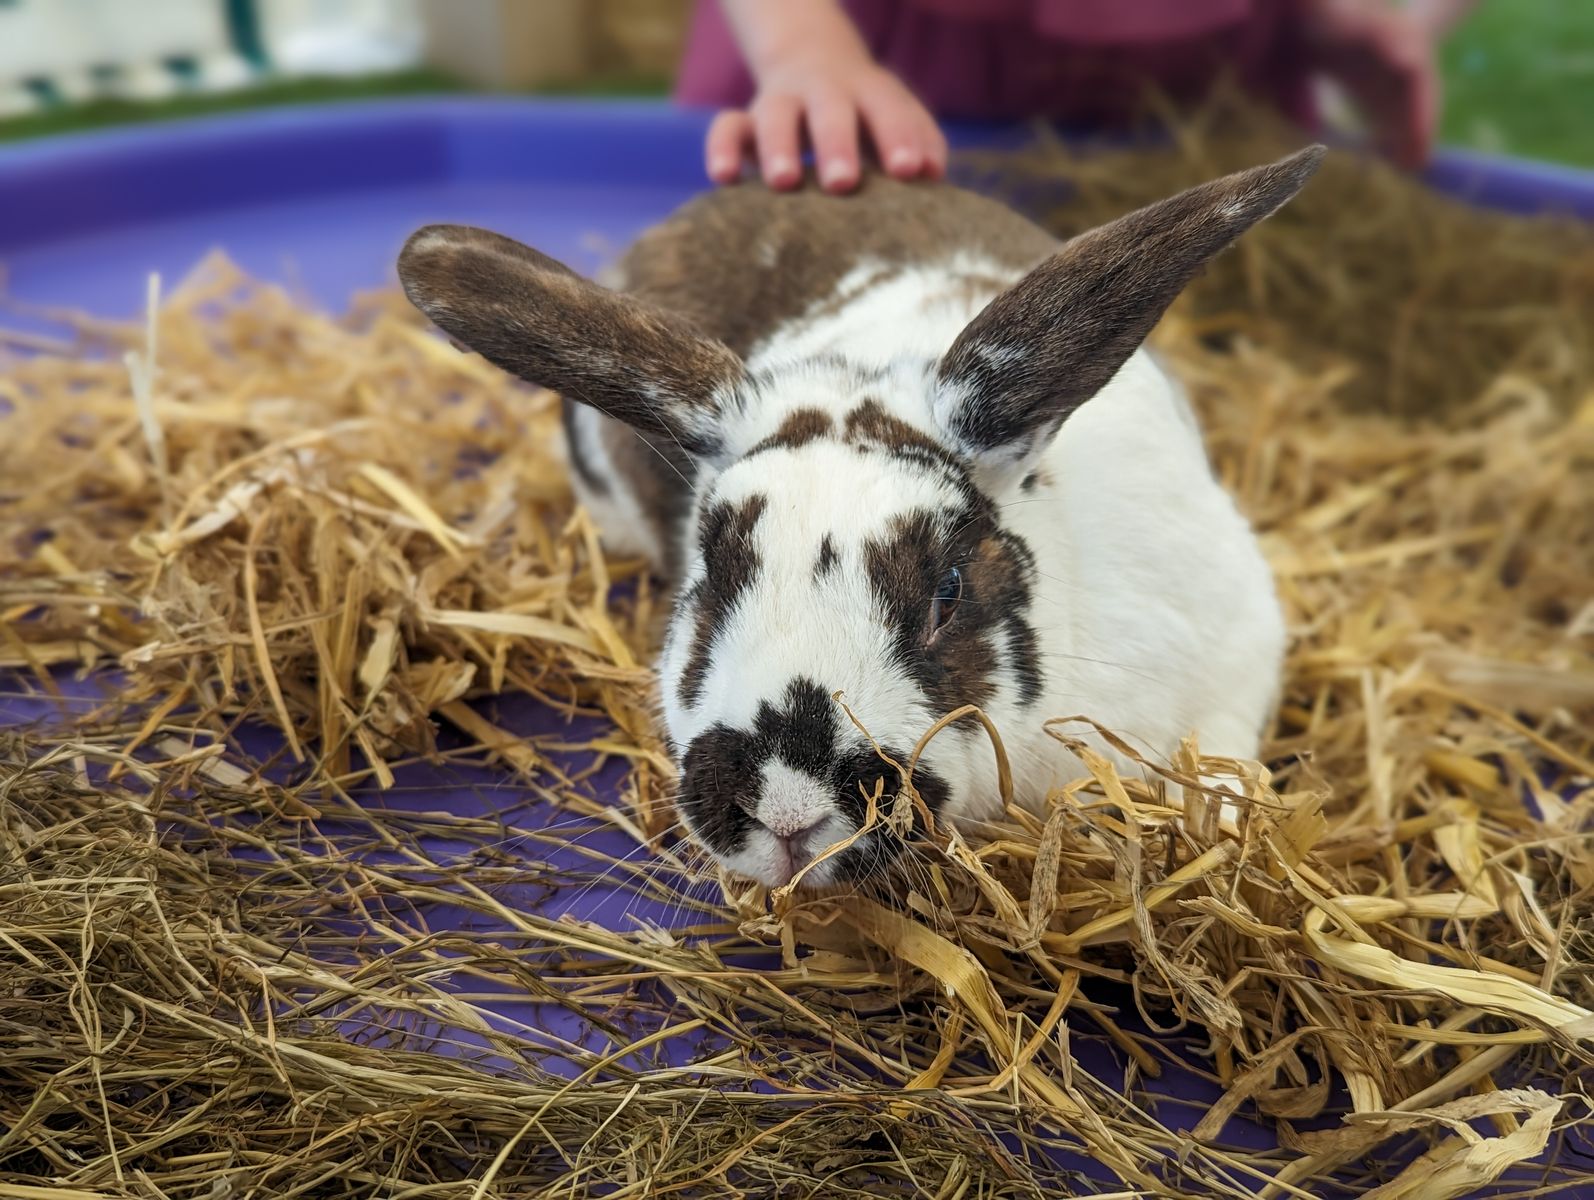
(1519,74)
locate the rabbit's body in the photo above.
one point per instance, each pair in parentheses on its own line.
(903,447)
(1152,609)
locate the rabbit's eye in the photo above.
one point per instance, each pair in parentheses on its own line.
(947,595)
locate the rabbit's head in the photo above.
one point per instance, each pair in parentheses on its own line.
(847,535)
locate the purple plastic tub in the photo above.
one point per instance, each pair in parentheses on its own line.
(322,198)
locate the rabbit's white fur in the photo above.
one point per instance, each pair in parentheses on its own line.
(951,474)
(1156,612)
(620,513)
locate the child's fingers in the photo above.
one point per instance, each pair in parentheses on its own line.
(1396,82)
(775,120)
(935,149)
(1427,123)
(1389,68)
(1409,123)
(897,124)
(832,119)
(729,135)
(1424,119)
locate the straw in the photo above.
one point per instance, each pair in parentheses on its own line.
(223,977)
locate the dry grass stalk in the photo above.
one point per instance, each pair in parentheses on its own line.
(211,985)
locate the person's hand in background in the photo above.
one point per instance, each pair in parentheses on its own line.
(1385,58)
(818,87)
(818,83)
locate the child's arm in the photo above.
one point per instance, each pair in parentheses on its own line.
(815,75)
(1440,16)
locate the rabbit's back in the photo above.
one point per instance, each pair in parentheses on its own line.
(741,262)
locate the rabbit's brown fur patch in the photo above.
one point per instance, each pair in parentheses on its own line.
(739,262)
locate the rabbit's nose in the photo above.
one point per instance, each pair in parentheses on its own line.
(800,845)
(791,826)
(792,802)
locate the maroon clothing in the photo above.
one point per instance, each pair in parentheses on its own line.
(1078,61)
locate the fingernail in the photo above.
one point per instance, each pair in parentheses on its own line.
(782,168)
(722,168)
(903,159)
(836,173)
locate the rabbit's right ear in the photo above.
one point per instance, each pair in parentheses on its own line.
(536,318)
(1053,340)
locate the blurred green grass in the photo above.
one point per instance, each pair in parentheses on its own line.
(1519,79)
(96,114)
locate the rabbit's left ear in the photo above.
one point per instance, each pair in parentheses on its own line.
(1054,339)
(538,319)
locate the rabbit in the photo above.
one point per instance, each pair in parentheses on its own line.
(905,451)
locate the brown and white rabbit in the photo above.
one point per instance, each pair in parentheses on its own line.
(904,446)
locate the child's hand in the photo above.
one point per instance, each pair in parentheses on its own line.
(1386,59)
(816,77)
(829,101)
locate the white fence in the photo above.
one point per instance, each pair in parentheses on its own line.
(63,51)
